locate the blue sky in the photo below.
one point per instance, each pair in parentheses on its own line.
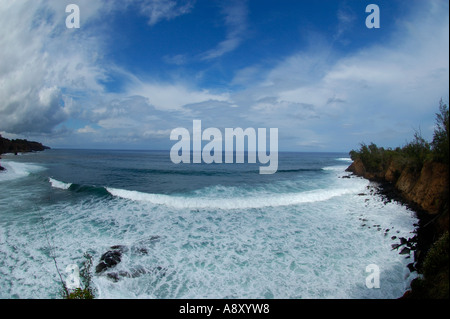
(135,70)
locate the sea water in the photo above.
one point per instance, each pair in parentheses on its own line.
(197,230)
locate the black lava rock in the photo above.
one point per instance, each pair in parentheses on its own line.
(108,260)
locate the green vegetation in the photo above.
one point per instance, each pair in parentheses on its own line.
(19,145)
(437,256)
(435,283)
(440,143)
(85,274)
(79,293)
(414,154)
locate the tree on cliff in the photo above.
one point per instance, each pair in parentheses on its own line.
(20,145)
(440,141)
(414,154)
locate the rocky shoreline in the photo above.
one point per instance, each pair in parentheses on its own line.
(19,146)
(426,193)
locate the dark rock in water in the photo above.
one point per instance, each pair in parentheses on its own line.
(405,251)
(403,240)
(114,256)
(395,246)
(394,237)
(136,272)
(411,267)
(139,250)
(108,260)
(113,276)
(121,248)
(133,273)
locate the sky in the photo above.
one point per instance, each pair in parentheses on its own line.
(137,69)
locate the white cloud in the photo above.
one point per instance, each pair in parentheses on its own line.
(39,63)
(158,10)
(86,130)
(49,74)
(172,97)
(368,90)
(235,13)
(346,18)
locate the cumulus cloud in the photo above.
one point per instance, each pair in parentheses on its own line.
(39,62)
(49,73)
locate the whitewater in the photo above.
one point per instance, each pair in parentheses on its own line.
(197,231)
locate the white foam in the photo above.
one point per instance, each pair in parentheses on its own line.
(346,159)
(248,202)
(57,184)
(335,168)
(16,170)
(319,250)
(316,250)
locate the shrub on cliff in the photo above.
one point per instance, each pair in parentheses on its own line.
(414,154)
(437,257)
(440,143)
(374,158)
(435,283)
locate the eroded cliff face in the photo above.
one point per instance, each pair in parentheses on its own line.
(428,188)
(428,191)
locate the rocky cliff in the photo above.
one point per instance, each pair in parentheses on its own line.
(426,191)
(19,146)
(428,188)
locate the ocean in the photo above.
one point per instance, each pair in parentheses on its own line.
(197,231)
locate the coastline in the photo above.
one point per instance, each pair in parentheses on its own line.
(425,193)
(19,146)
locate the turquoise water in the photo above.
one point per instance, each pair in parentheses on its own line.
(197,230)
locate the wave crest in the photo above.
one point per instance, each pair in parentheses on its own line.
(15,170)
(275,200)
(57,184)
